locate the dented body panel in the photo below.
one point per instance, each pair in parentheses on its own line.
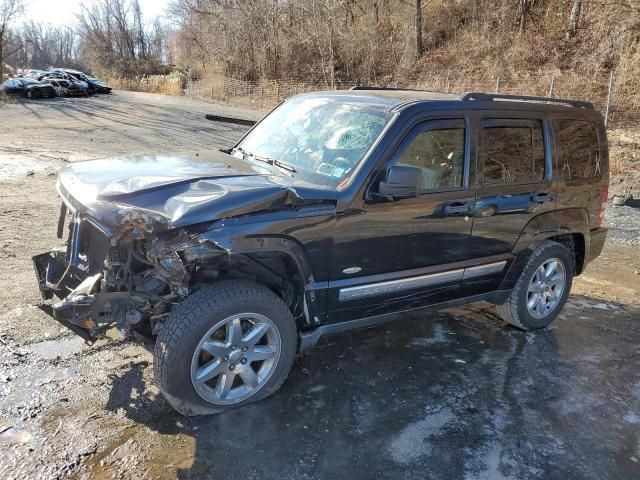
(155,226)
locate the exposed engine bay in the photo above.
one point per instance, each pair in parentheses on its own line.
(134,277)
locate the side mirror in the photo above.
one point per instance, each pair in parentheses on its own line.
(402,182)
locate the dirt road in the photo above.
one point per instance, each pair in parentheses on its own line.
(446,396)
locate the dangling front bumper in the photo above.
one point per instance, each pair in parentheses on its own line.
(74,274)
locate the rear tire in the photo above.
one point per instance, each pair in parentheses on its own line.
(199,341)
(542,289)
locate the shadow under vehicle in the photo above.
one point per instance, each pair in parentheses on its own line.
(336,211)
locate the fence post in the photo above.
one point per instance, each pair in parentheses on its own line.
(553,79)
(447,88)
(606,112)
(277,91)
(497,84)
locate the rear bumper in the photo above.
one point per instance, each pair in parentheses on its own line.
(596,244)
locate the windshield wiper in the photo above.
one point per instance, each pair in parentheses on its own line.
(284,165)
(265,159)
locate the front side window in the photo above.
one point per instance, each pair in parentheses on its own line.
(440,156)
(513,153)
(322,138)
(580,149)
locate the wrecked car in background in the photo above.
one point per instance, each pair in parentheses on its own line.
(99,85)
(336,211)
(28,87)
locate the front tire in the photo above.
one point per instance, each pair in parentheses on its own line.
(542,289)
(227,345)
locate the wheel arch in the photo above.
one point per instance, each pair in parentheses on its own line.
(277,261)
(569,227)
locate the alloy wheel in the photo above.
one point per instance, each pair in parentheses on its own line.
(546,288)
(235,358)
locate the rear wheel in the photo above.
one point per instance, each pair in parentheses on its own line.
(542,289)
(30,94)
(227,345)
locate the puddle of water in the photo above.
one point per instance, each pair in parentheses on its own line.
(51,349)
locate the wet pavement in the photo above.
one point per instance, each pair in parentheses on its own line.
(450,395)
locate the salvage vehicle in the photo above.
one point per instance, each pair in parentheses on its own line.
(336,211)
(78,77)
(73,88)
(27,87)
(99,85)
(60,86)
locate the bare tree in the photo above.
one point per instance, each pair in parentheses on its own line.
(115,40)
(418,28)
(524,7)
(574,20)
(10,11)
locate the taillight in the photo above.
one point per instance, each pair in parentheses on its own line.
(604,192)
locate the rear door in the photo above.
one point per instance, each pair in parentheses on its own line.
(514,182)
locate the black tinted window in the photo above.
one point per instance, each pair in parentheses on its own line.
(580,150)
(514,154)
(440,156)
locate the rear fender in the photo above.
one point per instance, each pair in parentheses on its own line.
(543,227)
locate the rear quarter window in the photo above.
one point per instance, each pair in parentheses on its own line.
(579,148)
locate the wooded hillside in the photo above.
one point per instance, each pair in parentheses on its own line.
(389,41)
(530,46)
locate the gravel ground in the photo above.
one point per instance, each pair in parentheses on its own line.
(623,223)
(451,395)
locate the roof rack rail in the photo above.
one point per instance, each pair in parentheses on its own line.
(365,87)
(499,96)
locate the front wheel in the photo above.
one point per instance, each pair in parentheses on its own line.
(226,345)
(542,289)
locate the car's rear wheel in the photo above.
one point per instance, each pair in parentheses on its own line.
(542,289)
(226,345)
(30,94)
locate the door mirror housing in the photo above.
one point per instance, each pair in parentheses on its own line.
(402,182)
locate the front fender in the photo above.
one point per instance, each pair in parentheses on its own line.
(305,239)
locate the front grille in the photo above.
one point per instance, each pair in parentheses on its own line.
(88,245)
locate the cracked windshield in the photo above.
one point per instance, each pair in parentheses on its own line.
(321,140)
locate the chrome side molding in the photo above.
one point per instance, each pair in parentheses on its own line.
(381,288)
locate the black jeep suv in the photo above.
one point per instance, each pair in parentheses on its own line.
(336,211)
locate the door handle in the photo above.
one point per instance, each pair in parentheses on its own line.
(457,209)
(542,197)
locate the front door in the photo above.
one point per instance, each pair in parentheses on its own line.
(401,254)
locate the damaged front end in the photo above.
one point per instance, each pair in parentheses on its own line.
(105,277)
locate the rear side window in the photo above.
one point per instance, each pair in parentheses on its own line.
(580,149)
(513,151)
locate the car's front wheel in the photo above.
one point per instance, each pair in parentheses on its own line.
(542,289)
(226,345)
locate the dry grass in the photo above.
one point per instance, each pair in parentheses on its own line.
(172,84)
(624,150)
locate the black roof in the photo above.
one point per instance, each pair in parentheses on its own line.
(394,98)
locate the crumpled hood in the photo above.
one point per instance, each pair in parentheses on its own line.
(177,189)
